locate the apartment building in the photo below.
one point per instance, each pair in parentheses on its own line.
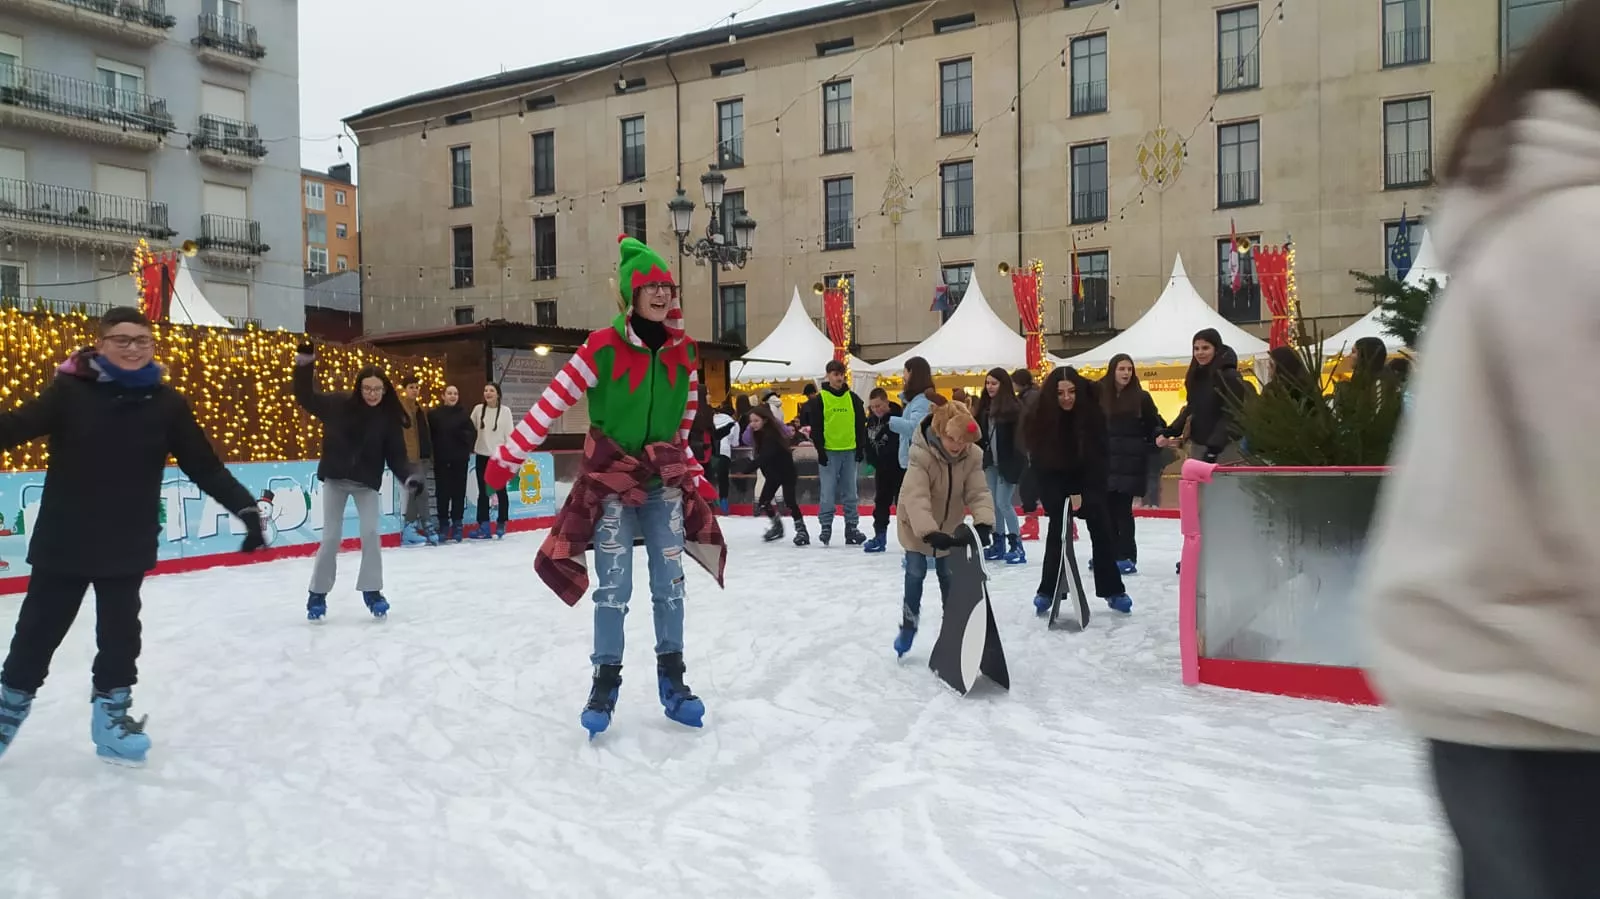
(328,208)
(905,145)
(166,120)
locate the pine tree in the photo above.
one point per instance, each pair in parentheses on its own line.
(18,527)
(1404,306)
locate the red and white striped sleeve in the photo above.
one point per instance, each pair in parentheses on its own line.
(691,408)
(569,386)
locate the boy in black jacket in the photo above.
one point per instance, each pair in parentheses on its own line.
(111,423)
(883,451)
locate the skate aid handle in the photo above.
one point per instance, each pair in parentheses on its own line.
(497,475)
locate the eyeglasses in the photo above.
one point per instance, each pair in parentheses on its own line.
(372,391)
(124,341)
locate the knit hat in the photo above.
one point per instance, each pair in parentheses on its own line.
(639,266)
(954,421)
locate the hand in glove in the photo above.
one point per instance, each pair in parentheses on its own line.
(861,455)
(255,535)
(415,484)
(939,540)
(497,475)
(1211,455)
(985,534)
(305,353)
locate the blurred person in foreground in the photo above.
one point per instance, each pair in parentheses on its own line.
(1483,578)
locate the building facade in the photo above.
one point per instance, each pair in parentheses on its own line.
(167,120)
(908,145)
(328,209)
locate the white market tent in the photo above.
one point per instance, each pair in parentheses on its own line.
(974,339)
(189,305)
(1424,267)
(1164,335)
(801,350)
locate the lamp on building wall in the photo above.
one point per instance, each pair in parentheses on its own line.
(713,247)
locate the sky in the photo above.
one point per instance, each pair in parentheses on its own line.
(359,53)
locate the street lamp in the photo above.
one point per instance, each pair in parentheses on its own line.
(713,247)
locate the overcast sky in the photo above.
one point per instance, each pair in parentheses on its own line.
(359,53)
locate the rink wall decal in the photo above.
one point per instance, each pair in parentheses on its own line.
(197,533)
(1272,623)
(866,510)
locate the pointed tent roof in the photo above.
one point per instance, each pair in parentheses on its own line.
(189,306)
(1165,333)
(803,351)
(1425,266)
(974,338)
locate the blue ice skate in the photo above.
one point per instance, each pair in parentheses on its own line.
(596,715)
(376,604)
(481,532)
(1126,567)
(118,738)
(1015,554)
(316,606)
(679,702)
(1122,602)
(14,708)
(902,641)
(411,535)
(994,552)
(500,530)
(879,543)
(1042,604)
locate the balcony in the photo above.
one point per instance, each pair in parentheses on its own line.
(52,306)
(231,242)
(955,118)
(1402,171)
(228,43)
(730,152)
(1092,314)
(838,235)
(836,137)
(956,221)
(1406,47)
(227,143)
(1090,206)
(1090,97)
(1238,189)
(141,22)
(69,215)
(1238,73)
(44,101)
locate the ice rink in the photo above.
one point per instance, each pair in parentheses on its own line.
(438,754)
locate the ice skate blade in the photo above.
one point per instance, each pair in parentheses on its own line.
(112,758)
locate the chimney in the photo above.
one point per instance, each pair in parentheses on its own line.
(340,172)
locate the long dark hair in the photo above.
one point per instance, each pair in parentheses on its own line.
(920,380)
(741,408)
(1196,370)
(1370,355)
(1130,398)
(1044,425)
(389,405)
(499,403)
(1562,58)
(771,429)
(1003,406)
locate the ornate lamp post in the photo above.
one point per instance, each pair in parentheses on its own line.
(713,247)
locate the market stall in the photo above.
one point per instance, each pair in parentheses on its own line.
(794,353)
(973,341)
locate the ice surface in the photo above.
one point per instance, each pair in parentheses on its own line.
(439,754)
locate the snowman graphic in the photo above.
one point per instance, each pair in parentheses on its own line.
(269,525)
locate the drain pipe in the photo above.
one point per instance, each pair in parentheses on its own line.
(677,117)
(1016,12)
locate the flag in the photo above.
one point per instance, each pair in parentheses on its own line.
(1400,250)
(1235,273)
(941,299)
(1077,279)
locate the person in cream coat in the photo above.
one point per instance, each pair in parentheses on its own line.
(494,423)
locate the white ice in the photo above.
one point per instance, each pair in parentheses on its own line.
(438,754)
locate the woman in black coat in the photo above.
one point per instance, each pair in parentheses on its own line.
(997,414)
(1132,426)
(1211,387)
(776,461)
(1067,443)
(454,435)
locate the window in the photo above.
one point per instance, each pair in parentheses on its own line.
(630,85)
(1405,32)
(13,280)
(458,118)
(338,198)
(954,23)
(314,197)
(231,300)
(10,55)
(728,67)
(544,164)
(1239,164)
(633,149)
(1408,143)
(1093,311)
(1238,63)
(955,199)
(1242,305)
(13,164)
(460,176)
(544,247)
(461,257)
(836,116)
(838,211)
(316,259)
(732,205)
(343,263)
(1090,184)
(341,230)
(955,97)
(956,278)
(1521,21)
(1090,91)
(1391,236)
(544,313)
(633,222)
(834,48)
(1077,4)
(730,134)
(316,228)
(733,314)
(123,85)
(464,314)
(546,101)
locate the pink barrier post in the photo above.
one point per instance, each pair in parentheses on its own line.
(1195,473)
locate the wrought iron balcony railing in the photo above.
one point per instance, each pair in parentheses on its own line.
(1238,73)
(1238,189)
(70,207)
(730,152)
(1090,97)
(1406,47)
(144,12)
(956,221)
(84,100)
(839,236)
(835,137)
(230,36)
(955,118)
(1090,206)
(1412,169)
(228,136)
(234,235)
(52,306)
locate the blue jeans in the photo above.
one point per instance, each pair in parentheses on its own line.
(660,522)
(916,573)
(838,482)
(1005,509)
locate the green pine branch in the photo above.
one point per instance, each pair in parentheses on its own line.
(1404,306)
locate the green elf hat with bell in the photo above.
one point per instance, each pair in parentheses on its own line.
(641,266)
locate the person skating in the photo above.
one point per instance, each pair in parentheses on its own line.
(838,423)
(494,422)
(111,425)
(1027,485)
(775,459)
(1211,386)
(1132,425)
(361,432)
(418,530)
(944,480)
(637,479)
(453,437)
(883,451)
(998,413)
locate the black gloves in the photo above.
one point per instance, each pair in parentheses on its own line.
(1211,455)
(861,455)
(985,533)
(939,540)
(254,536)
(306,349)
(822,455)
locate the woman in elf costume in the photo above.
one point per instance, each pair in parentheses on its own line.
(638,480)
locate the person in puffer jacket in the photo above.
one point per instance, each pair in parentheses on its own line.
(944,480)
(1482,572)
(883,451)
(1211,386)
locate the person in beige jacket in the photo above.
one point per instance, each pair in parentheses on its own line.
(1482,579)
(944,480)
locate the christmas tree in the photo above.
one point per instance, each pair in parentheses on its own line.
(1404,306)
(17,527)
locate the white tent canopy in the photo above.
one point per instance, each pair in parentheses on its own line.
(1423,268)
(974,339)
(801,350)
(189,306)
(1165,333)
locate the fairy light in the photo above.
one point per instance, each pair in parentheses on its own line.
(1293,301)
(843,285)
(238,382)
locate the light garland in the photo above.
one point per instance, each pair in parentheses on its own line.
(843,285)
(238,382)
(1293,300)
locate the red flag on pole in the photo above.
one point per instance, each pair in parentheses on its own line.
(1235,275)
(1025,290)
(1077,282)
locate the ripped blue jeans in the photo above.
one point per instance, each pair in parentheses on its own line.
(660,522)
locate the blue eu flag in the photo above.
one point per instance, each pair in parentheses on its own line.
(1400,250)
